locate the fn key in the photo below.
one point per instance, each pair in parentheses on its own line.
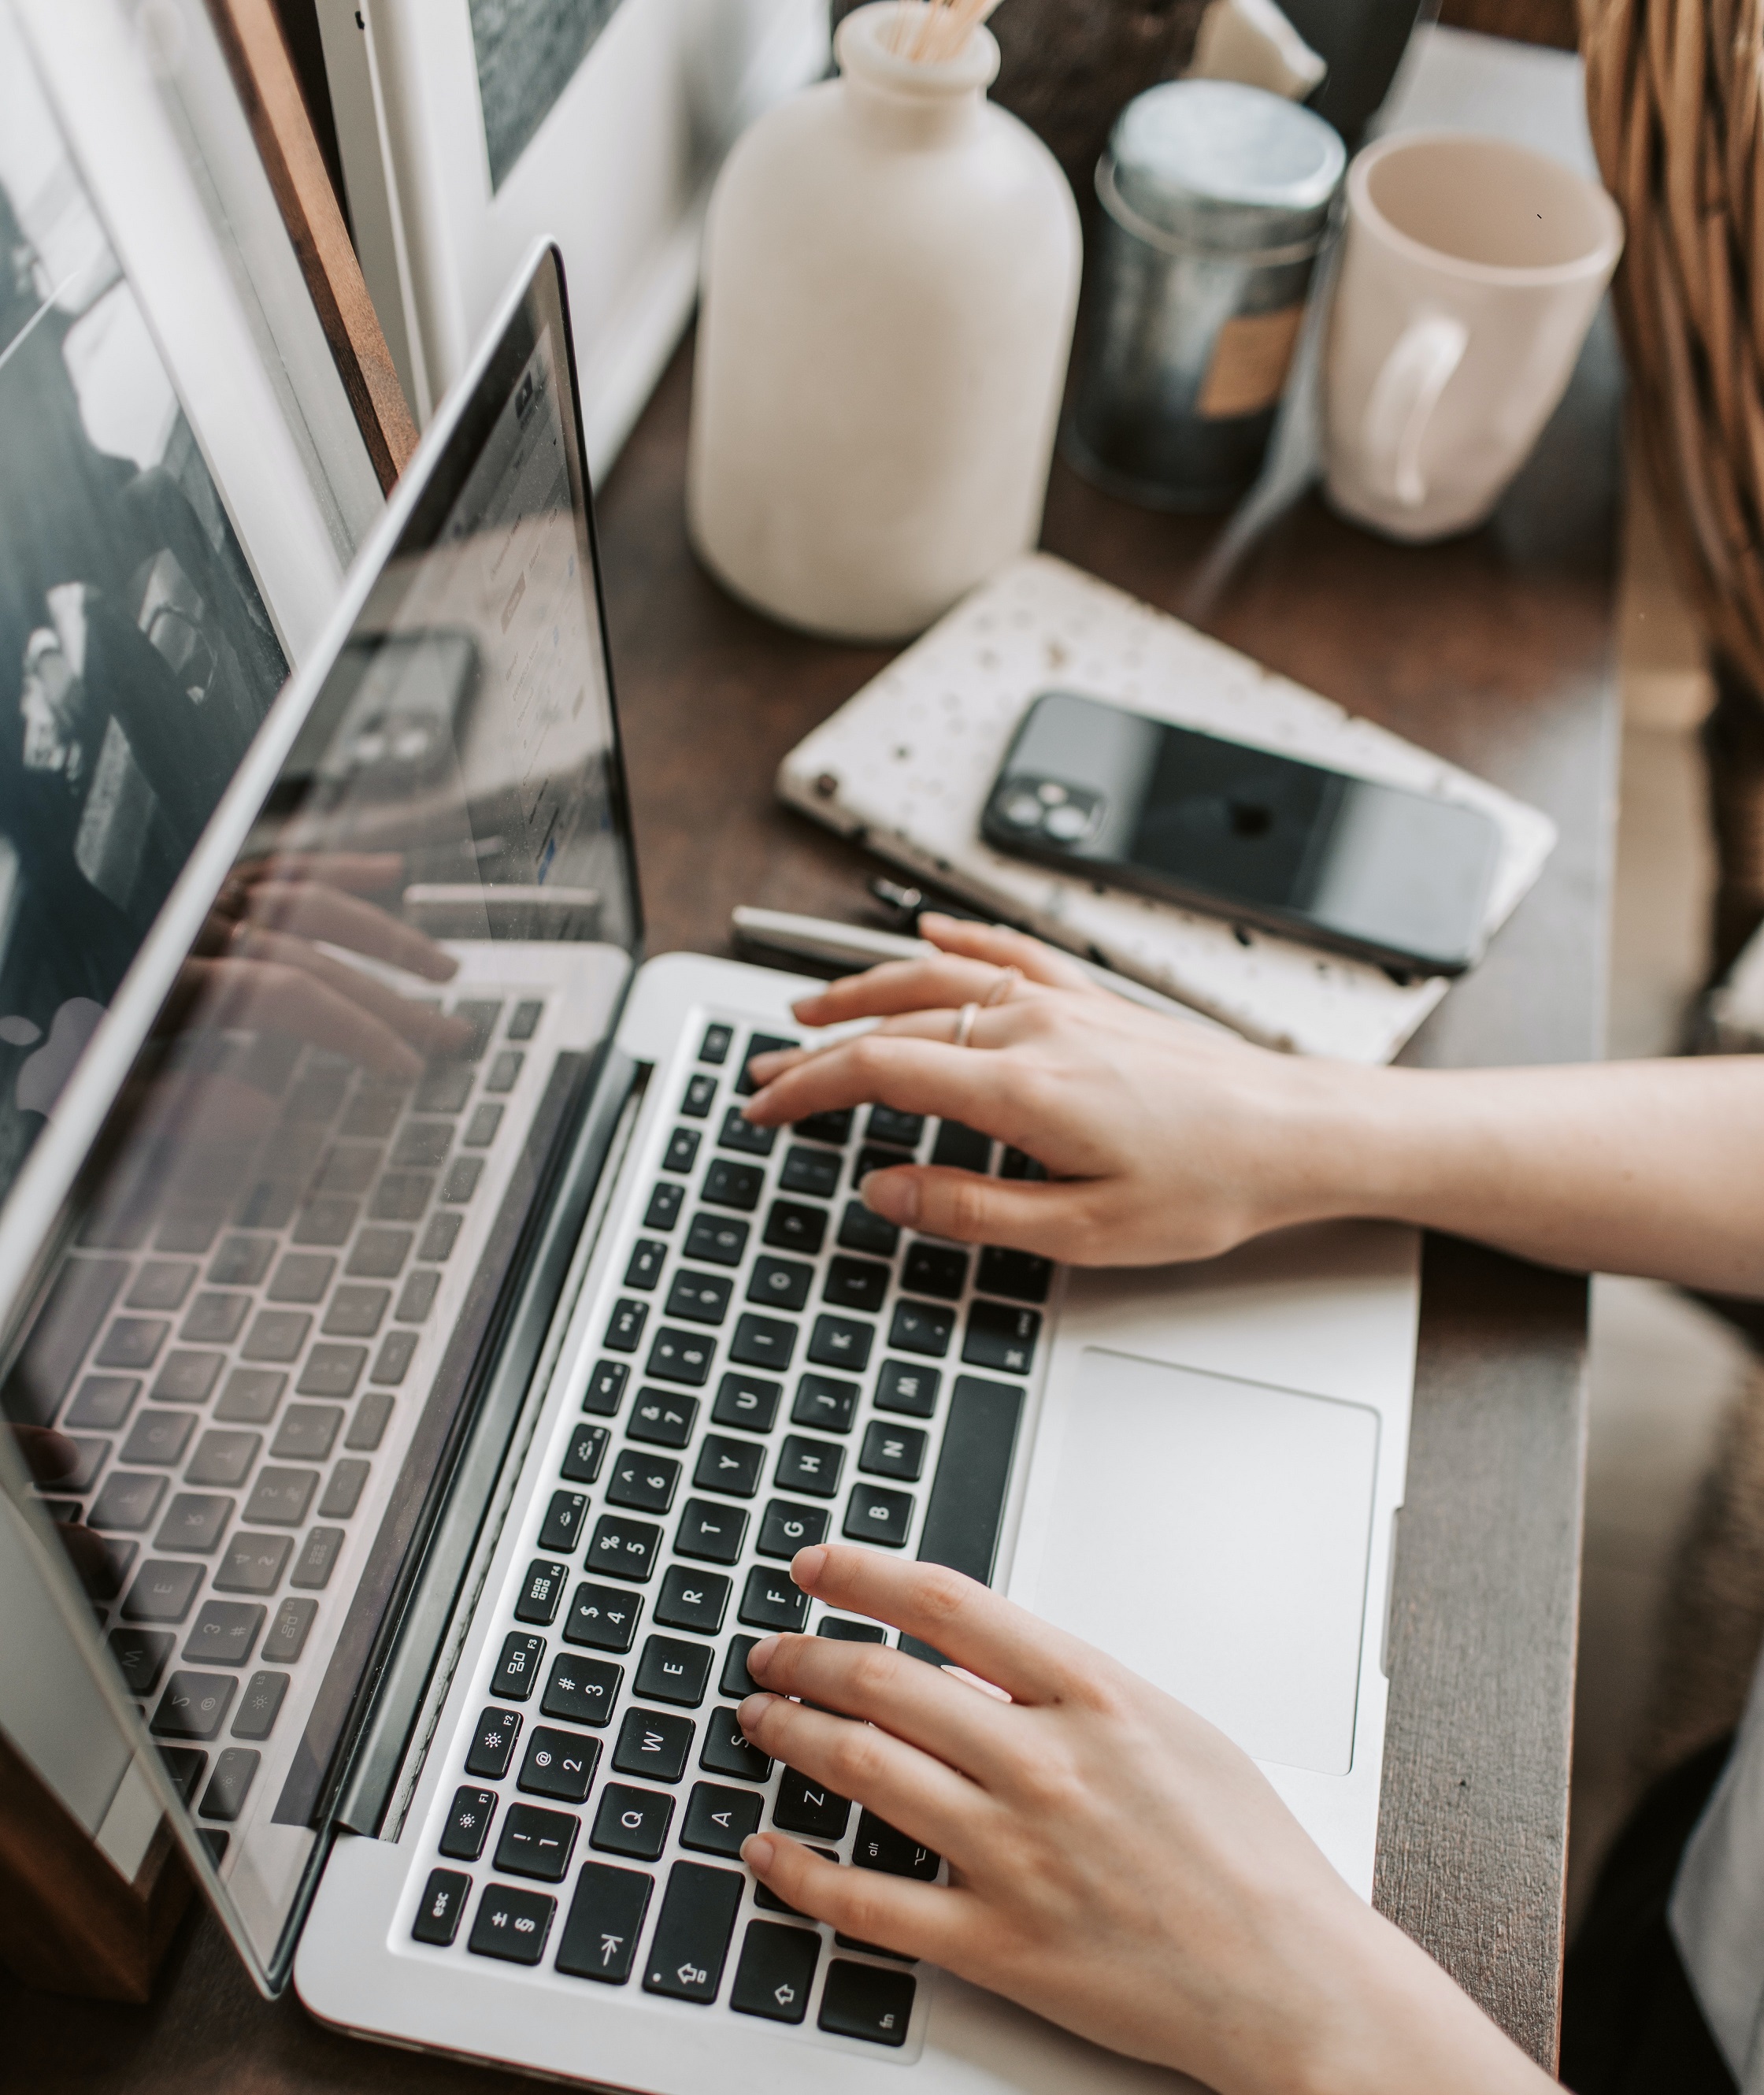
(698,1917)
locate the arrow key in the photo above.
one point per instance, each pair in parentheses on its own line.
(775,1971)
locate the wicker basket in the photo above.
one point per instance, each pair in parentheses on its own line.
(1675,96)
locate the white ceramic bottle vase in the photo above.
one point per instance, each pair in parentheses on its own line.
(891,271)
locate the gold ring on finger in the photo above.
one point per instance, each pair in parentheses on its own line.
(965,1019)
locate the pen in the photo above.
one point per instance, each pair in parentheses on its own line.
(857,946)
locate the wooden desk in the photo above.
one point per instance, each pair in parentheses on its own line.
(1494,651)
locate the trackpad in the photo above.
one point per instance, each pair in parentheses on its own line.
(1214,1534)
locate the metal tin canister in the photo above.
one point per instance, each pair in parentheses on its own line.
(1217,199)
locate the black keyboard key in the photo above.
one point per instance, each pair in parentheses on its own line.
(132,1342)
(841,1342)
(103,1575)
(939,1270)
(966,1507)
(809,1465)
(861,1229)
(194,1705)
(421,1144)
(440,1234)
(626,1549)
(904,1386)
(740,1133)
(357,1312)
(481,1128)
(328,1218)
(493,1743)
(648,1256)
(103,1401)
(391,1364)
(792,1226)
(856,1283)
(871,1158)
(673,1670)
(735,1678)
(128,1500)
(625,1328)
(780,1283)
(701,1298)
(785,1527)
(763,1342)
(604,1618)
(663,1208)
(812,1171)
(802,1806)
(662,1419)
(163,1593)
(718,1820)
(777,1971)
(541,1590)
(444,1089)
(922,1327)
(481,1016)
(729,1466)
(372,1114)
(682,1357)
(504,1071)
(692,1602)
(188,1376)
(186,1766)
(216,1317)
(768,1901)
(332,1369)
(643,1482)
(536,1843)
(843,1630)
(730,1185)
(253,1563)
(701,1095)
(833,1126)
(523,1020)
(1015,1165)
(605,1919)
(280,1498)
(655,1743)
(259,1705)
(518,1667)
(683,1150)
(1019,1274)
(773,1600)
(373,1414)
(759,1043)
(748,1401)
(585,1452)
(712,1534)
(156,1437)
(140,1656)
(873,1513)
(441,1908)
(511,1925)
(560,1765)
(825,1401)
(632,1822)
(230,1784)
(251,1395)
(225,1633)
(959,1148)
(288,1632)
(306,1433)
(1001,1337)
(728,1750)
(717,1239)
(692,1941)
(715,1046)
(865,2001)
(893,1450)
(606,1389)
(581,1691)
(887,1125)
(343,1489)
(241,1261)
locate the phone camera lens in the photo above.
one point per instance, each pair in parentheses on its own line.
(1066,824)
(1022,811)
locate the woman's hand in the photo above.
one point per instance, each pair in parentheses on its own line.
(1164,1140)
(1115,1863)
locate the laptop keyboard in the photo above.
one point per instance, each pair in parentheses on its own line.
(777,1366)
(237,1364)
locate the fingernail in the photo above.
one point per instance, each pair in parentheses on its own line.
(751,1709)
(757,1851)
(893,1196)
(806,1567)
(762,1654)
(753,1104)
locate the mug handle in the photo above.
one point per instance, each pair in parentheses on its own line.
(1402,398)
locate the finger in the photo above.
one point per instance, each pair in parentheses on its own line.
(917,1703)
(431,1031)
(266,994)
(48,1456)
(1006,949)
(972,1626)
(1016,1214)
(917,1920)
(927,1799)
(889,1069)
(896,985)
(316,911)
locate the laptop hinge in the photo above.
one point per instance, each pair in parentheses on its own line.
(464,1538)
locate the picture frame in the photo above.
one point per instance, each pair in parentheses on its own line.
(468,128)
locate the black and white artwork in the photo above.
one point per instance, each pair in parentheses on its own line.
(136,658)
(528,51)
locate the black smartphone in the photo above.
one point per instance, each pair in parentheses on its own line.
(1388,875)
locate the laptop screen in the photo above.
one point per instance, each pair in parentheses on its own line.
(283,1278)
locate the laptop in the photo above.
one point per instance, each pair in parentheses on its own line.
(450,1373)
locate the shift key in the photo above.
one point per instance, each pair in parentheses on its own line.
(698,1917)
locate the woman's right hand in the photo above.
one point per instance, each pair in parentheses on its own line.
(1164,1140)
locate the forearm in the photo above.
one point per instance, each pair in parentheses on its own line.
(1654,1168)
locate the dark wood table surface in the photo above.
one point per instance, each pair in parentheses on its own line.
(1494,650)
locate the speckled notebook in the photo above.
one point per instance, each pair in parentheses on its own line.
(908,760)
